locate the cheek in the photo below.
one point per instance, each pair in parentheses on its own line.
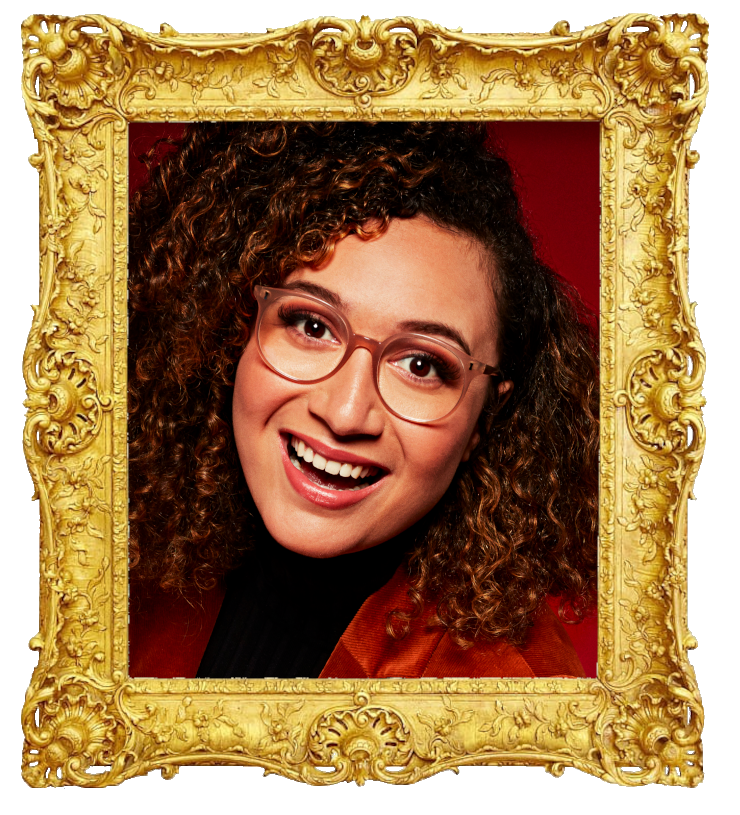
(433,454)
(258,393)
(246,374)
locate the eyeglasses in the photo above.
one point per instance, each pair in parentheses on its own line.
(421,379)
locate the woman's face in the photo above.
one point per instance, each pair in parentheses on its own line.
(416,272)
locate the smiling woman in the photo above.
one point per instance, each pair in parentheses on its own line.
(396,415)
(363,415)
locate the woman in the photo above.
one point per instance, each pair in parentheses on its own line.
(363,433)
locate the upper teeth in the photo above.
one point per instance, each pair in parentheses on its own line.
(329,465)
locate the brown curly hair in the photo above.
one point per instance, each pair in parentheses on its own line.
(244,203)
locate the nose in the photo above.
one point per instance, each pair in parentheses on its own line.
(347,402)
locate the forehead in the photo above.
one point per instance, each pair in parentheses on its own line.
(414,271)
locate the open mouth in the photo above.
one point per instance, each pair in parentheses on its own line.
(330,474)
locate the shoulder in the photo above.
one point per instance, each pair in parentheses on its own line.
(548,651)
(366,649)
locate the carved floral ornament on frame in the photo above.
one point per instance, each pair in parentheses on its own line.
(86,721)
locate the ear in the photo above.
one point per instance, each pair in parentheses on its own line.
(482,425)
(473,441)
(505,390)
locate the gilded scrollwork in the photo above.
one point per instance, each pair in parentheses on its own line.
(361,742)
(653,66)
(65,405)
(364,59)
(78,303)
(75,502)
(440,73)
(665,401)
(284,732)
(644,79)
(658,735)
(70,66)
(71,726)
(445,739)
(650,298)
(282,72)
(201,77)
(563,73)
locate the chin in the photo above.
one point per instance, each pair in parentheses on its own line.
(315,545)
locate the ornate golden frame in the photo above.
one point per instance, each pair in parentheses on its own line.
(86,722)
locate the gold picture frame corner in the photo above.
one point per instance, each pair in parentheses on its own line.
(86,722)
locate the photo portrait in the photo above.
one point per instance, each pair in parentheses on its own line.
(350,368)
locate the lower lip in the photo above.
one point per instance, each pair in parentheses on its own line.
(329,499)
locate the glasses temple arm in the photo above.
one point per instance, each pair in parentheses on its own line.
(490,370)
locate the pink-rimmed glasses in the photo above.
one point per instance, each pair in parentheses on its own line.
(304,339)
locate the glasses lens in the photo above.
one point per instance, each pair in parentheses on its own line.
(420,379)
(301,338)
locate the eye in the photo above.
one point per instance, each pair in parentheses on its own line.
(304,325)
(418,366)
(423,363)
(313,328)
(426,369)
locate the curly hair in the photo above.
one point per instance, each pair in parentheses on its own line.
(244,203)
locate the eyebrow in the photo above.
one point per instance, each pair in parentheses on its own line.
(430,327)
(317,291)
(435,329)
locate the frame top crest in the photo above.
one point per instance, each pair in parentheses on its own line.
(76,68)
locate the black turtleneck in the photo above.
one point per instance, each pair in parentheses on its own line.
(283,613)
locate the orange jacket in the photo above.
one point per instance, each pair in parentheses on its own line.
(168,635)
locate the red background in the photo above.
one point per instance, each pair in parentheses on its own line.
(556,167)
